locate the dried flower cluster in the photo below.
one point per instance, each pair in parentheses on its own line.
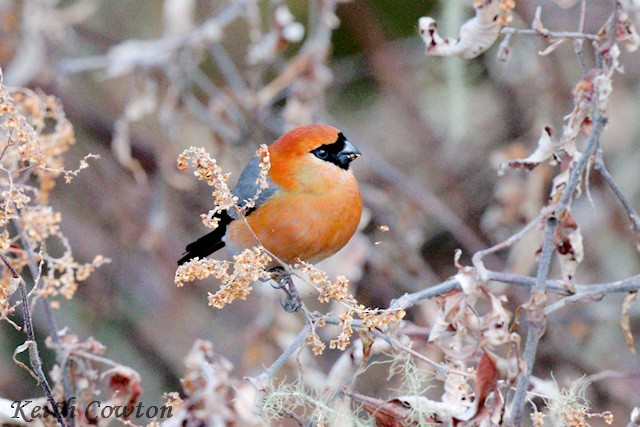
(208,170)
(248,267)
(262,181)
(338,291)
(35,134)
(315,343)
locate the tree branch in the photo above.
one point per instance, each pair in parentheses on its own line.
(34,355)
(631,212)
(536,315)
(262,381)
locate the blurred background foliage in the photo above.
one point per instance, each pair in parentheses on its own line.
(433,132)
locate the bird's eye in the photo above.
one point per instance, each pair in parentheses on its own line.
(321,154)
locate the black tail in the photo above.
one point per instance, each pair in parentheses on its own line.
(209,243)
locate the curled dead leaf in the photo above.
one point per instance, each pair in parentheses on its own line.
(625,322)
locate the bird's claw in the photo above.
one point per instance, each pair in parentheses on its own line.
(291,304)
(282,280)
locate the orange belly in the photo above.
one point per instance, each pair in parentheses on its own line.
(307,226)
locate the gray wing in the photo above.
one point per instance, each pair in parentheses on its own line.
(246,188)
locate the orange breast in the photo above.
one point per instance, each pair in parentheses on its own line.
(309,226)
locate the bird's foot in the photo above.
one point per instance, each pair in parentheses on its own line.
(279,277)
(292,302)
(282,280)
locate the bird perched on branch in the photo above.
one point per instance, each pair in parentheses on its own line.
(309,210)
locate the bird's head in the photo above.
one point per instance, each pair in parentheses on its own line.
(311,154)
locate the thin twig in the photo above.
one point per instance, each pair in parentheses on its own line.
(536,316)
(599,121)
(536,322)
(262,381)
(61,357)
(442,369)
(34,356)
(578,43)
(409,300)
(550,34)
(597,292)
(573,292)
(631,212)
(477,257)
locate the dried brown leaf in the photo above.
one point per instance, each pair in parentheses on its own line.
(625,321)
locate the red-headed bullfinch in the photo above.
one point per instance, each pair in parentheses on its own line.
(310,209)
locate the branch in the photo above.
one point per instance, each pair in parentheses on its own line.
(262,381)
(537,321)
(597,292)
(629,284)
(631,212)
(477,257)
(550,34)
(578,44)
(61,358)
(136,54)
(34,356)
(442,369)
(599,121)
(536,315)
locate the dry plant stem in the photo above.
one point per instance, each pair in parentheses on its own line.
(410,300)
(578,44)
(574,292)
(599,121)
(536,323)
(631,212)
(61,357)
(262,380)
(597,292)
(442,369)
(34,356)
(536,316)
(550,34)
(477,257)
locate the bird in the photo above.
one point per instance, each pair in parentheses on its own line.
(310,209)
